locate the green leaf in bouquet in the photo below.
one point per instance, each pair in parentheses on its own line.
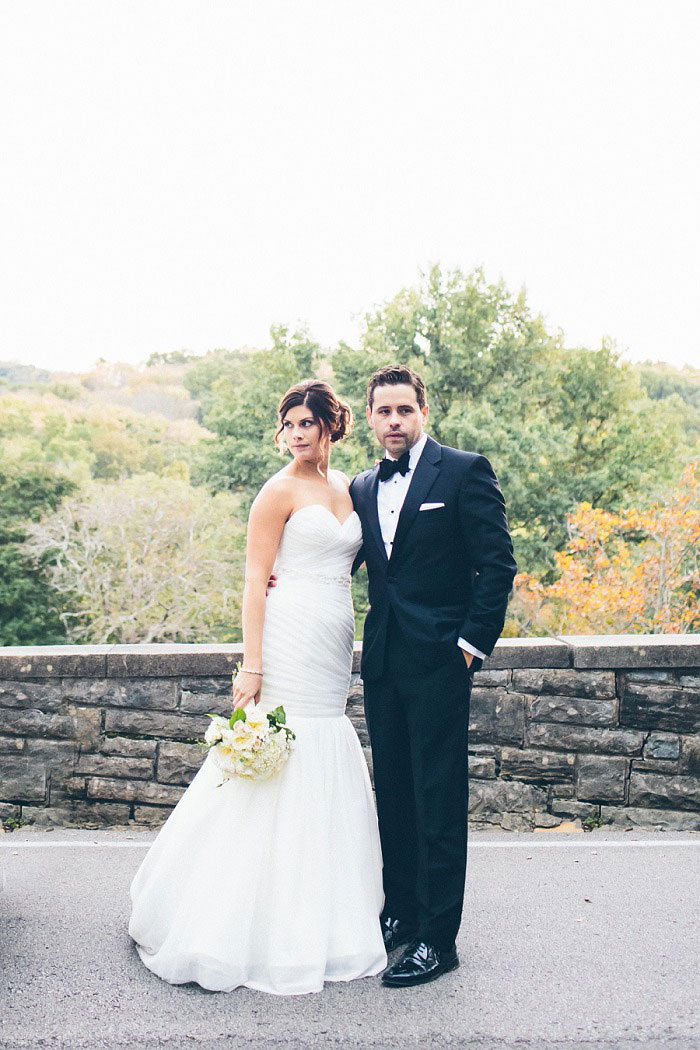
(276,717)
(237,716)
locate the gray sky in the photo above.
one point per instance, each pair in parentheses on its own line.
(182,174)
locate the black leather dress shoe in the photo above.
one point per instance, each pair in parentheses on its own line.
(420,963)
(396,933)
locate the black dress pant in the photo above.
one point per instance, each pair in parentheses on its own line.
(418,715)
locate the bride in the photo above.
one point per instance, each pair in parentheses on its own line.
(277,884)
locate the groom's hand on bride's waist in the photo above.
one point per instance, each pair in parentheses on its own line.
(272,582)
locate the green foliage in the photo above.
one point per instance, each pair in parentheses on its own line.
(174,357)
(92,469)
(29,606)
(559,425)
(243,412)
(145,559)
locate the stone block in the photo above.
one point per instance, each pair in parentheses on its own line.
(11,744)
(655,765)
(8,811)
(650,675)
(566,681)
(44,695)
(690,755)
(134,693)
(652,819)
(492,798)
(79,724)
(660,707)
(634,650)
(564,807)
(151,816)
(496,715)
(690,681)
(78,814)
(527,652)
(600,778)
(573,710)
(75,787)
(662,745)
(172,660)
(582,738)
(513,821)
(22,780)
(50,661)
(201,696)
(178,763)
(482,766)
(483,749)
(489,679)
(152,723)
(132,791)
(657,791)
(537,766)
(546,820)
(58,758)
(115,766)
(124,745)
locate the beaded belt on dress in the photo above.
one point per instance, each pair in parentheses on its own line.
(308,574)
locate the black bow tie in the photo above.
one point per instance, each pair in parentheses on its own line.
(389,467)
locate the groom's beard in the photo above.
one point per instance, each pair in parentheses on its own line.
(397,448)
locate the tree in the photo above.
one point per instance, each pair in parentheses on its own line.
(147,559)
(631,571)
(243,413)
(29,607)
(559,425)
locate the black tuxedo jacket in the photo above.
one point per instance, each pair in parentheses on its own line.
(451,568)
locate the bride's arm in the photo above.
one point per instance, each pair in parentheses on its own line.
(270,510)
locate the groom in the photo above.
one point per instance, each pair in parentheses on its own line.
(440,564)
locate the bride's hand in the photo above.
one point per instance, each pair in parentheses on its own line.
(246,687)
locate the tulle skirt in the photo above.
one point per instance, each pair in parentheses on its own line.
(275,884)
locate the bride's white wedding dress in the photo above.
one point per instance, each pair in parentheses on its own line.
(277,884)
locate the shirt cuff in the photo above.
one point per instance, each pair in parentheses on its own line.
(470,649)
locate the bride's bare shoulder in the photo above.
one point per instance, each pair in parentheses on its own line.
(277,495)
(340,478)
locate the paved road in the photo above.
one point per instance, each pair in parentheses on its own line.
(568,941)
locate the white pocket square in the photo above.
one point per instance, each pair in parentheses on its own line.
(431,506)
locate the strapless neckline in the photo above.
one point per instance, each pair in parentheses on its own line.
(311,506)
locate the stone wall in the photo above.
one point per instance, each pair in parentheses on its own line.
(587,729)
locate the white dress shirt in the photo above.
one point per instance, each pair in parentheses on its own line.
(390,497)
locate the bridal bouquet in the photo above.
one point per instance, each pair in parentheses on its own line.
(255,747)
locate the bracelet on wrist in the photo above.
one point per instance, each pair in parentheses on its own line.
(249,670)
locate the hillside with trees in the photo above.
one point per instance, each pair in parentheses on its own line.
(124,491)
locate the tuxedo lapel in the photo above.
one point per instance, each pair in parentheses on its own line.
(427,469)
(371,485)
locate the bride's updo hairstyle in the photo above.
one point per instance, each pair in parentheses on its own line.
(327,409)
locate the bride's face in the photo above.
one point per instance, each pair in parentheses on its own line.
(303,435)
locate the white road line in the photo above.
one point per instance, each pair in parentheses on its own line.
(586,843)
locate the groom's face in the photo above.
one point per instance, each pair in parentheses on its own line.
(396,417)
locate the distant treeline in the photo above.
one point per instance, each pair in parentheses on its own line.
(124,491)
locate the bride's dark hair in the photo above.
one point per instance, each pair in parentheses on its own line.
(326,408)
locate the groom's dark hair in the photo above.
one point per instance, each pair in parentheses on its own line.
(392,375)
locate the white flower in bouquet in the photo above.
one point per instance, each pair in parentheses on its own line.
(255,747)
(215,730)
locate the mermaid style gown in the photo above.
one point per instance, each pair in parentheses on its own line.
(277,884)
